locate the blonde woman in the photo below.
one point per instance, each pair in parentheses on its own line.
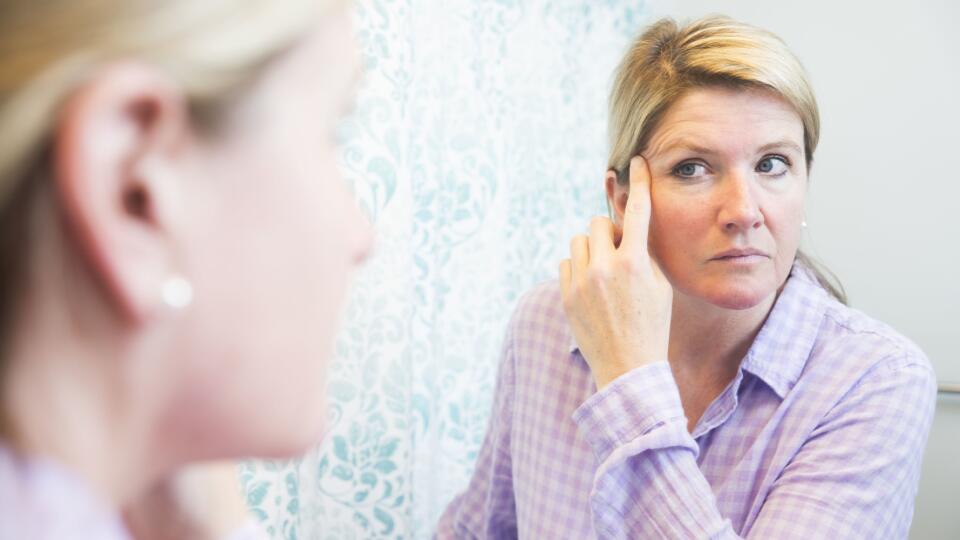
(691,375)
(175,243)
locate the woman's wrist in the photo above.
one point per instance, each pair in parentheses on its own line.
(607,372)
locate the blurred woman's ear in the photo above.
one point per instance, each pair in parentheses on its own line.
(117,147)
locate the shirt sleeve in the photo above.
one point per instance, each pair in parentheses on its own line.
(855,477)
(487,508)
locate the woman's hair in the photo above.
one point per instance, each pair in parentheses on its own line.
(668,60)
(211,48)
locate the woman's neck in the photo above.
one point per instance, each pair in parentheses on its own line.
(52,418)
(78,386)
(67,400)
(708,342)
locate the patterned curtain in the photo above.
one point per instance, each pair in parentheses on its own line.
(478,148)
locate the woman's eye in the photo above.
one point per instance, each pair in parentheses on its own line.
(689,170)
(773,166)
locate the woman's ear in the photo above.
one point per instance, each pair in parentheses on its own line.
(616,196)
(117,144)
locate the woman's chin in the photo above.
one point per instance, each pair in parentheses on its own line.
(737,302)
(737,296)
(288,439)
(312,434)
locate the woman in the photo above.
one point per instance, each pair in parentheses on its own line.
(691,375)
(176,243)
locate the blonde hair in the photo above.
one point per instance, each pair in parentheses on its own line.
(668,60)
(210,48)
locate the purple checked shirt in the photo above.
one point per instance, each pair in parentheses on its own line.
(43,500)
(819,435)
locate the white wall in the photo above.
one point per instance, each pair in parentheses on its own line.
(884,207)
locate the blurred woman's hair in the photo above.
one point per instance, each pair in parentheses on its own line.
(667,60)
(210,48)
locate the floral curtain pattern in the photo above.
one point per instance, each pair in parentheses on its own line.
(478,147)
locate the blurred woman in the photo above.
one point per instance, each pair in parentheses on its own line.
(176,242)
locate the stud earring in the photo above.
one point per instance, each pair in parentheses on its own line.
(177,292)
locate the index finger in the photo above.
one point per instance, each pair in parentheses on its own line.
(636,215)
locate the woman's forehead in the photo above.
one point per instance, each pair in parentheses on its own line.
(713,120)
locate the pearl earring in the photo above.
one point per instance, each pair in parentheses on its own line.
(177,292)
(803,224)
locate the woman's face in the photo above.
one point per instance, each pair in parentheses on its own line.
(275,235)
(729,179)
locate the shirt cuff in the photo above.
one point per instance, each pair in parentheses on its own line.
(631,406)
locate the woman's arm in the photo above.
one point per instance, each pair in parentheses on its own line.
(486,509)
(855,477)
(857,474)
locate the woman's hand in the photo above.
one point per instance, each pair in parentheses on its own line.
(617,300)
(201,502)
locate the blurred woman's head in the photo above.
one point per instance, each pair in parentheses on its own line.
(727,121)
(172,215)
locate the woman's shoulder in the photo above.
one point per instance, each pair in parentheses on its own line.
(857,354)
(846,336)
(868,339)
(40,499)
(539,320)
(540,302)
(813,343)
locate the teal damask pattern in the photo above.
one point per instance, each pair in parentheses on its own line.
(478,148)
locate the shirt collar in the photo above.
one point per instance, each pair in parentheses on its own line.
(780,350)
(573,343)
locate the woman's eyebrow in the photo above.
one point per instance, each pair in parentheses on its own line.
(785,143)
(686,144)
(683,144)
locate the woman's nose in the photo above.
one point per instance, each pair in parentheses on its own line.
(740,208)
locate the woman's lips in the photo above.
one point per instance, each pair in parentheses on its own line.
(741,256)
(742,259)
